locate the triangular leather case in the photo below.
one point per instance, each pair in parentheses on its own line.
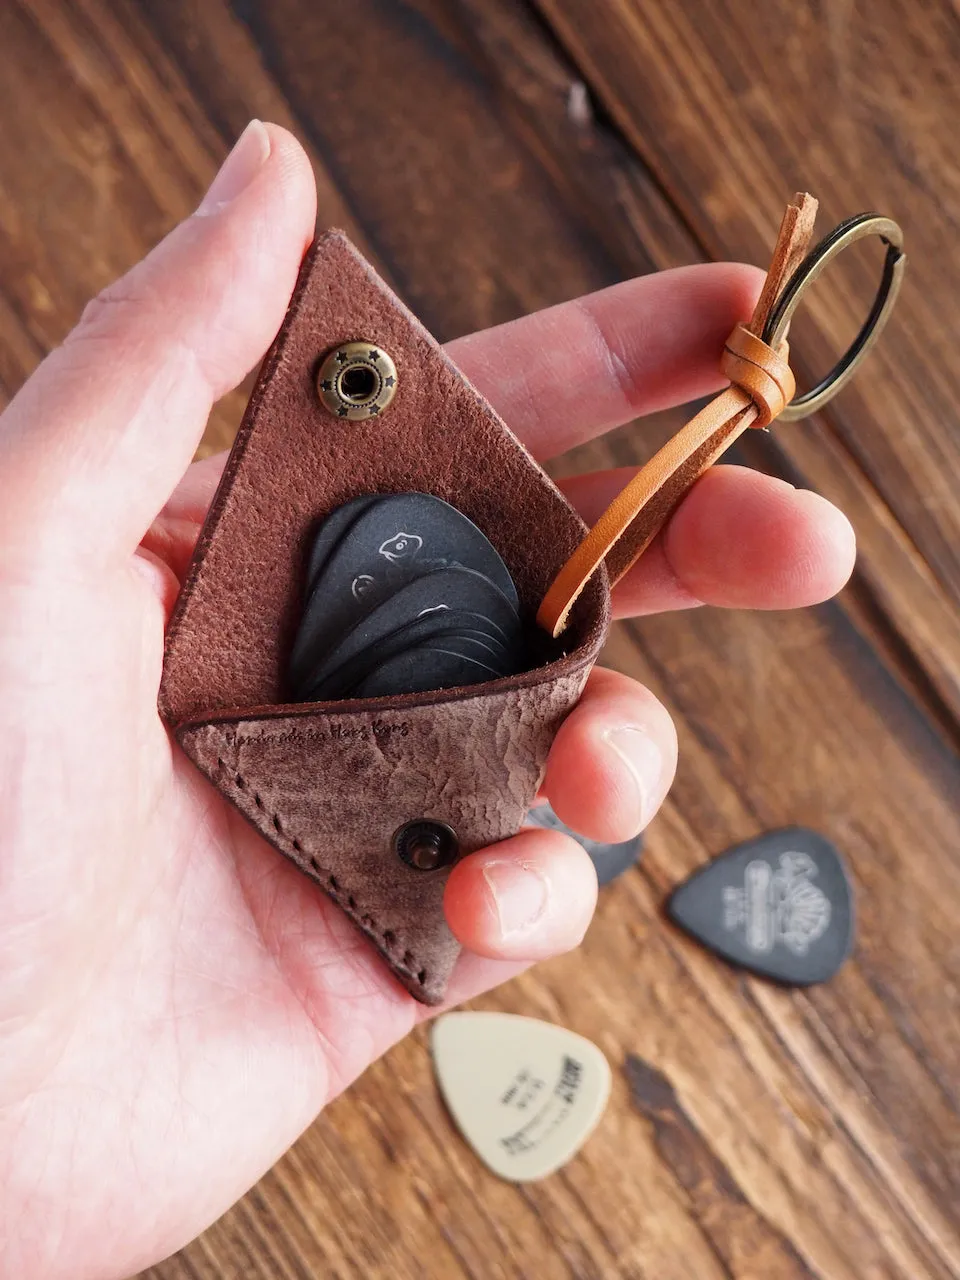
(329,784)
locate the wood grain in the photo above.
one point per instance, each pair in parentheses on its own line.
(510,156)
(840,111)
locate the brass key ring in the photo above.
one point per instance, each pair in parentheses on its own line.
(847,233)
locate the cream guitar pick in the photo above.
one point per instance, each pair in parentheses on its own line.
(525,1094)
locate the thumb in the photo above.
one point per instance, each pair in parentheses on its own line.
(96,440)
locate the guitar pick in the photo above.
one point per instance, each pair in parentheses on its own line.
(609,860)
(525,1094)
(384,546)
(399,623)
(440,591)
(330,533)
(780,906)
(341,674)
(376,568)
(421,669)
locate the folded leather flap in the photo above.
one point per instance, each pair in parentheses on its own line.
(329,787)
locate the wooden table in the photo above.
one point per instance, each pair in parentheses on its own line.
(495,156)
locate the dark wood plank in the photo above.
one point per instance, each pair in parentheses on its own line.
(774,1134)
(732,107)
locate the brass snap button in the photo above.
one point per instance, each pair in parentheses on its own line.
(426,845)
(356,380)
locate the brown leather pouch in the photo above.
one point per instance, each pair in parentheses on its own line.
(329,784)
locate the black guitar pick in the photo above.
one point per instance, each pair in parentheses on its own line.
(426,607)
(377,639)
(610,860)
(402,594)
(387,543)
(421,669)
(439,591)
(331,532)
(780,906)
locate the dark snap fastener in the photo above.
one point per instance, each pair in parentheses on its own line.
(356,380)
(426,845)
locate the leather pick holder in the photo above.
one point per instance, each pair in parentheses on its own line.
(330,785)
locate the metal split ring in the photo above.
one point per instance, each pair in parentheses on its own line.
(847,233)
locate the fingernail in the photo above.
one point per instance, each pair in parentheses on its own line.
(241,166)
(520,895)
(644,762)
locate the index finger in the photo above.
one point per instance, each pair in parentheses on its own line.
(571,372)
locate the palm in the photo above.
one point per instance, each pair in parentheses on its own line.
(164,947)
(177,1001)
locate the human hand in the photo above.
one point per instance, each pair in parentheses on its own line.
(177,1002)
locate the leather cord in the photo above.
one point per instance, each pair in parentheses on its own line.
(761,387)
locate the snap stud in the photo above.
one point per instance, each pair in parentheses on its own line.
(356,380)
(426,845)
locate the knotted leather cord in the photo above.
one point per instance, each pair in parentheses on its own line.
(762,385)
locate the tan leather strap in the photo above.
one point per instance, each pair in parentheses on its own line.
(759,371)
(762,385)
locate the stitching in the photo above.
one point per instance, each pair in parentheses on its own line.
(332,885)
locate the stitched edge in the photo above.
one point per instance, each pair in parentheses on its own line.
(331,885)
